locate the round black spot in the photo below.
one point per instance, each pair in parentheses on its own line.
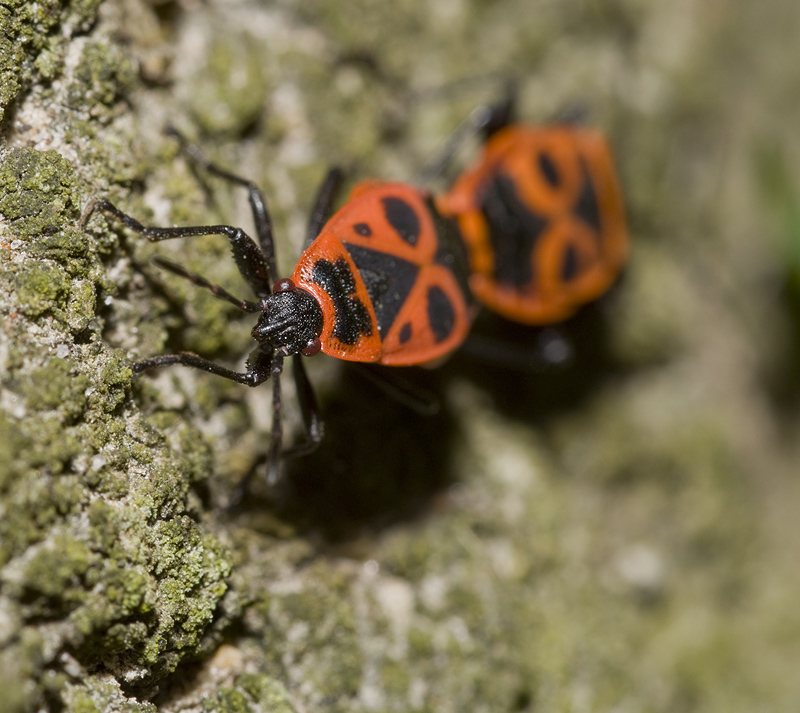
(405,332)
(548,169)
(441,314)
(402,218)
(363,230)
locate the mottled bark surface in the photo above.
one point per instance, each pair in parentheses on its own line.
(616,533)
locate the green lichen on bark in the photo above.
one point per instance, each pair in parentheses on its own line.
(103,76)
(32,35)
(98,537)
(38,191)
(251,693)
(98,694)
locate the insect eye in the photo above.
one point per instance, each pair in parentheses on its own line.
(312,348)
(285,284)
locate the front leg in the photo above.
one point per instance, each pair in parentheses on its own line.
(249,259)
(259,366)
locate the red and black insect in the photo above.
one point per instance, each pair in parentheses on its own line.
(390,277)
(534,229)
(384,280)
(542,217)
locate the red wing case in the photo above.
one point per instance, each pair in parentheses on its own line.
(542,216)
(392,278)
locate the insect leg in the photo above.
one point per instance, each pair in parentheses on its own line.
(501,113)
(259,366)
(485,120)
(551,350)
(249,259)
(323,203)
(417,398)
(258,205)
(216,290)
(274,453)
(312,419)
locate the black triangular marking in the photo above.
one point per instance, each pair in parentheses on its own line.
(514,230)
(450,250)
(352,317)
(388,280)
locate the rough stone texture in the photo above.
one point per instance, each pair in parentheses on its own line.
(613,534)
